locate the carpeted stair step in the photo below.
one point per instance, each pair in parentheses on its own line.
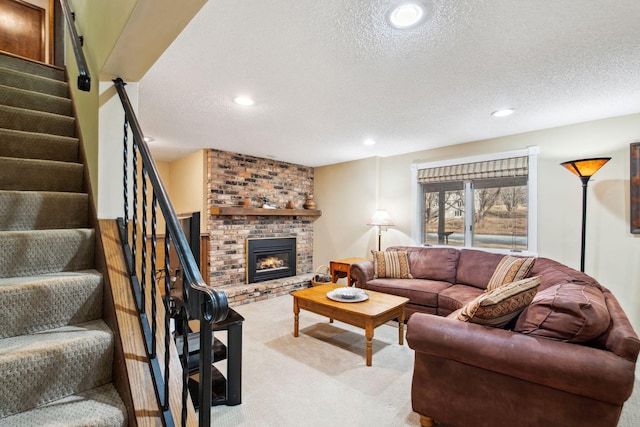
(31,67)
(40,175)
(98,407)
(15,143)
(50,365)
(25,81)
(56,351)
(21,98)
(54,300)
(29,253)
(42,210)
(36,121)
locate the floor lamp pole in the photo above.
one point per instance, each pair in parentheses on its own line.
(585,180)
(584,169)
(379,238)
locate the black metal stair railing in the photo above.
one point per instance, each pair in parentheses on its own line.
(84,78)
(200,301)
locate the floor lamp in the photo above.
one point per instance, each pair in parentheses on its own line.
(382,219)
(584,169)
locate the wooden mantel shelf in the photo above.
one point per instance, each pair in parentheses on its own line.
(240,211)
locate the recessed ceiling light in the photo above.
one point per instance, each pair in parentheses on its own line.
(368,141)
(407,15)
(503,113)
(243,100)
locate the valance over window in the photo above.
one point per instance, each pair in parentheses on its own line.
(502,168)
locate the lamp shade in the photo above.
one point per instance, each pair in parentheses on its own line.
(381,218)
(585,168)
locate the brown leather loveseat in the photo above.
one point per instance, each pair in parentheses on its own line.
(567,359)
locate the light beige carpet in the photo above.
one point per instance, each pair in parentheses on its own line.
(320,378)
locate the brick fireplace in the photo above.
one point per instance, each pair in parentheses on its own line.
(232,179)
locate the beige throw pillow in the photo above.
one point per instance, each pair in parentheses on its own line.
(391,264)
(499,306)
(510,269)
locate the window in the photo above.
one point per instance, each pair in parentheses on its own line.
(483,202)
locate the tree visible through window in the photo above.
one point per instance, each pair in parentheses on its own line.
(484,204)
(444,214)
(500,214)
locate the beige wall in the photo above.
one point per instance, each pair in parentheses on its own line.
(346,193)
(187,184)
(86,105)
(121,38)
(164,169)
(126,37)
(100,22)
(110,199)
(151,27)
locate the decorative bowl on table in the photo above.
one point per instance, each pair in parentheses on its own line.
(348,294)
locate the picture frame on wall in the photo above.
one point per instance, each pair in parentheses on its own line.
(634,185)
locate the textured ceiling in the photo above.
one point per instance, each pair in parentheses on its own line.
(327,74)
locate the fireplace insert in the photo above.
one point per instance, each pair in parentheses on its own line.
(270,258)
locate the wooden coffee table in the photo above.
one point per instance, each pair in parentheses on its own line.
(368,315)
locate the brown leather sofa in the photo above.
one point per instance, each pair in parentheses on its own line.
(568,359)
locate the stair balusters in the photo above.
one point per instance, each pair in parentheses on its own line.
(199,300)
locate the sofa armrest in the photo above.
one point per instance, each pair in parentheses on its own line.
(361,273)
(620,338)
(574,368)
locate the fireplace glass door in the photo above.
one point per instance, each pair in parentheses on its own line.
(270,258)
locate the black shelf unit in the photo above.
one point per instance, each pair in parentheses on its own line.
(226,387)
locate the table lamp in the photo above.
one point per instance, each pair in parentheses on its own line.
(381,219)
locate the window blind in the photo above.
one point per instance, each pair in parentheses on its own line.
(503,168)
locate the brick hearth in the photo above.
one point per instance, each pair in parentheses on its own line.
(231,179)
(245,294)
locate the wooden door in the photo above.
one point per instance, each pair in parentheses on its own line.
(22,29)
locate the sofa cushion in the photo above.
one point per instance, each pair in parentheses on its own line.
(420,291)
(454,297)
(431,263)
(454,314)
(567,311)
(501,305)
(510,269)
(394,264)
(475,268)
(552,273)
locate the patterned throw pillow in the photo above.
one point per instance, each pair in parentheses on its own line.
(499,306)
(391,264)
(510,269)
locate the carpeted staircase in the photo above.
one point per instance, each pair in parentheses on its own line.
(56,352)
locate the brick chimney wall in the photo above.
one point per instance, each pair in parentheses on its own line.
(233,177)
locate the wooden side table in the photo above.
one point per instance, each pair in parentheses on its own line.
(342,268)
